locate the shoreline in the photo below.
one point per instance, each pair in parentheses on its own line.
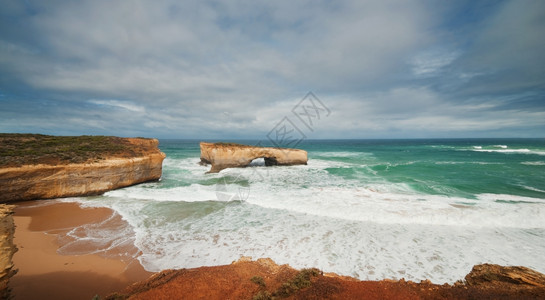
(46,274)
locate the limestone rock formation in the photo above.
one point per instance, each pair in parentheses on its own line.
(46,181)
(228,155)
(7,249)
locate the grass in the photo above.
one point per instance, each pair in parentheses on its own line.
(300,281)
(20,149)
(226,144)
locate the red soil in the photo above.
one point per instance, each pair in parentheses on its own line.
(263,279)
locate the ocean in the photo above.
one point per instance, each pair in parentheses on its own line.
(371,209)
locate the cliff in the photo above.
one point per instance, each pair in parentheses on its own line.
(7,249)
(229,155)
(44,167)
(263,279)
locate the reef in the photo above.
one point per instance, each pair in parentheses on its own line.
(231,155)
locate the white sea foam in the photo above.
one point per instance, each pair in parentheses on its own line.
(192,193)
(340,154)
(450,162)
(373,204)
(511,198)
(533,163)
(322,163)
(111,237)
(304,216)
(366,250)
(500,146)
(533,189)
(467,162)
(508,151)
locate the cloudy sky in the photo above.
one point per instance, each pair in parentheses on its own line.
(235,69)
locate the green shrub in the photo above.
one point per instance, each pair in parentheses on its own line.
(258,280)
(17,149)
(300,281)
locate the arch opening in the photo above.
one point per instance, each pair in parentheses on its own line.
(270,161)
(263,162)
(257,162)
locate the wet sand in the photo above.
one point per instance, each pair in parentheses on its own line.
(45,274)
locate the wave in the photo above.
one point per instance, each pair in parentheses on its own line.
(343,191)
(385,229)
(521,151)
(339,154)
(508,198)
(533,163)
(112,237)
(191,193)
(533,189)
(379,205)
(467,162)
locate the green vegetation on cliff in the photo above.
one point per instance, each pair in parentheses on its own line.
(22,149)
(300,281)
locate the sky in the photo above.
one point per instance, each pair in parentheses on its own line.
(246,69)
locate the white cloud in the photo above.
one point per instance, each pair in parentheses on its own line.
(430,62)
(128,105)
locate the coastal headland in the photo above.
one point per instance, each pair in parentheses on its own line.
(231,155)
(36,166)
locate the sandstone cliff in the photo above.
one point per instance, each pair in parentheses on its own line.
(7,249)
(135,160)
(264,279)
(227,155)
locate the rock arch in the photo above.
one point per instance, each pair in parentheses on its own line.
(230,155)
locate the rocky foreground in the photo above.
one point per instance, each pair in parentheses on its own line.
(43,167)
(7,249)
(264,279)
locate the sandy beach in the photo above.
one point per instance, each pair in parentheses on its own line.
(45,274)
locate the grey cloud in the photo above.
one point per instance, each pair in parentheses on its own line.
(236,68)
(508,53)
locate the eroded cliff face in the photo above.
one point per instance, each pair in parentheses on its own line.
(222,156)
(45,181)
(7,249)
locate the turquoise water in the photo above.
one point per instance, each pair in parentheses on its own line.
(373,209)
